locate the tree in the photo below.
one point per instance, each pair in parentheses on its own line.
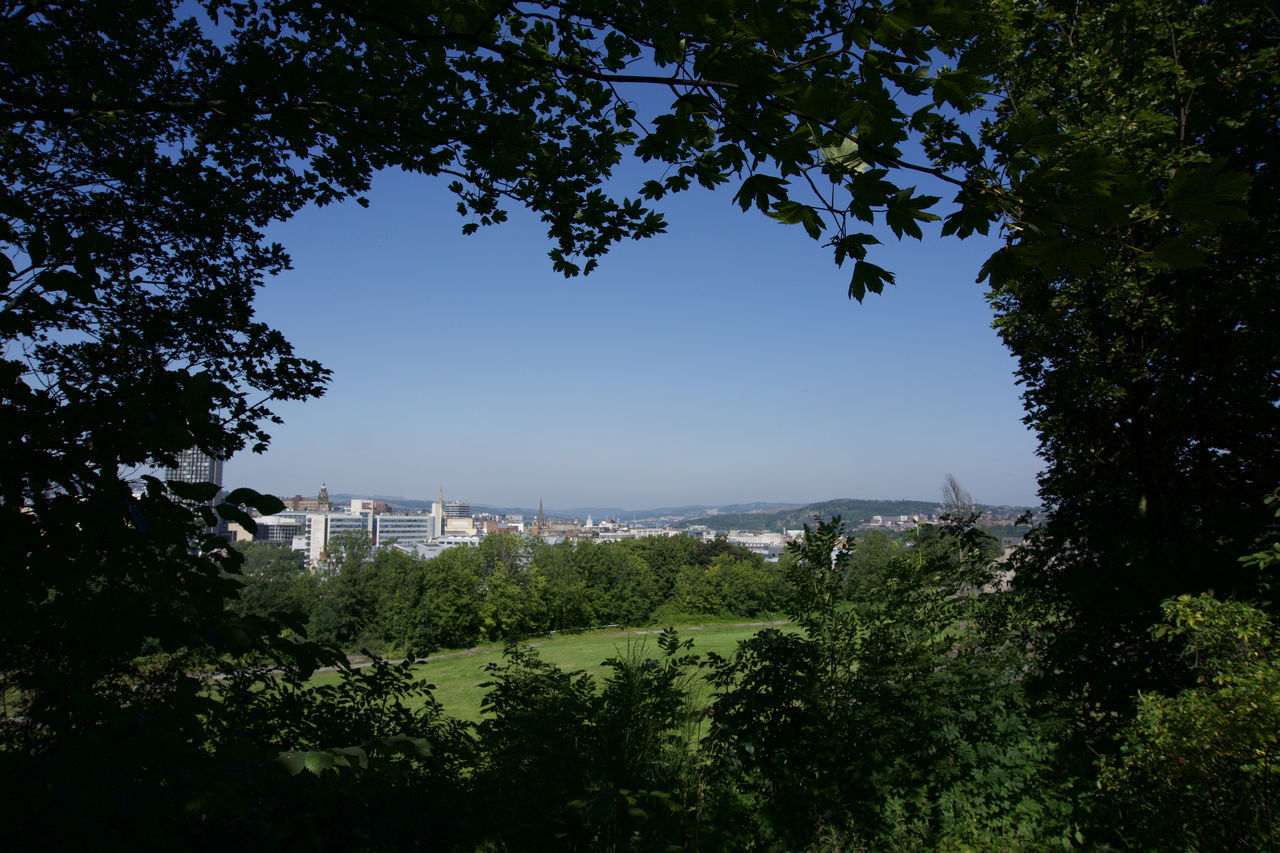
(666,556)
(1137,291)
(450,611)
(955,500)
(346,592)
(895,721)
(568,601)
(274,579)
(871,556)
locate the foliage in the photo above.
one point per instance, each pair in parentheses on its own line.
(741,586)
(564,766)
(131,234)
(666,556)
(870,559)
(445,609)
(99,639)
(894,722)
(345,591)
(389,600)
(352,747)
(1200,768)
(1137,291)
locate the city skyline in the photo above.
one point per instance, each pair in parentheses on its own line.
(718,363)
(426,505)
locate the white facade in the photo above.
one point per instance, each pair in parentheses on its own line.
(320,527)
(280,529)
(758,541)
(404,529)
(317,528)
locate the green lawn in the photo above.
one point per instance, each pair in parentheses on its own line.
(457,675)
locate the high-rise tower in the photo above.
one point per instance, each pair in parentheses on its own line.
(437,513)
(196,466)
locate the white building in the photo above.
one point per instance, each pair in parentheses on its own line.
(320,527)
(761,542)
(404,529)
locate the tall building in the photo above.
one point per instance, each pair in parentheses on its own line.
(458,520)
(196,466)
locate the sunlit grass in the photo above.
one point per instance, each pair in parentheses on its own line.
(457,675)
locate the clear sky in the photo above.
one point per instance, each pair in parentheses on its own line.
(719,363)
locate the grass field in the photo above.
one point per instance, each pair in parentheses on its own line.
(457,675)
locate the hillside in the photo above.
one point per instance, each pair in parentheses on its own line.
(853,511)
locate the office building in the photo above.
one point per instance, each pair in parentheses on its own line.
(196,466)
(404,529)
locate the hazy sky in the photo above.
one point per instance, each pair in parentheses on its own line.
(721,362)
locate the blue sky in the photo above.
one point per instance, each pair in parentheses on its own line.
(721,362)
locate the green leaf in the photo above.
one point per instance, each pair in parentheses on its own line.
(1180,252)
(1210,193)
(318,760)
(418,747)
(758,190)
(845,155)
(793,212)
(294,761)
(200,492)
(905,209)
(853,246)
(265,504)
(868,277)
(354,756)
(231,512)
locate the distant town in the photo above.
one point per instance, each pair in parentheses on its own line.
(307,524)
(426,528)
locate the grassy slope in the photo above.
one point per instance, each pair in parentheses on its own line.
(457,675)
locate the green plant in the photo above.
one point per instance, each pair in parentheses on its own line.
(897,721)
(1200,768)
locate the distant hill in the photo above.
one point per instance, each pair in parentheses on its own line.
(667,513)
(853,511)
(759,515)
(340,499)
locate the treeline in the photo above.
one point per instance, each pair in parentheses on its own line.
(508,586)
